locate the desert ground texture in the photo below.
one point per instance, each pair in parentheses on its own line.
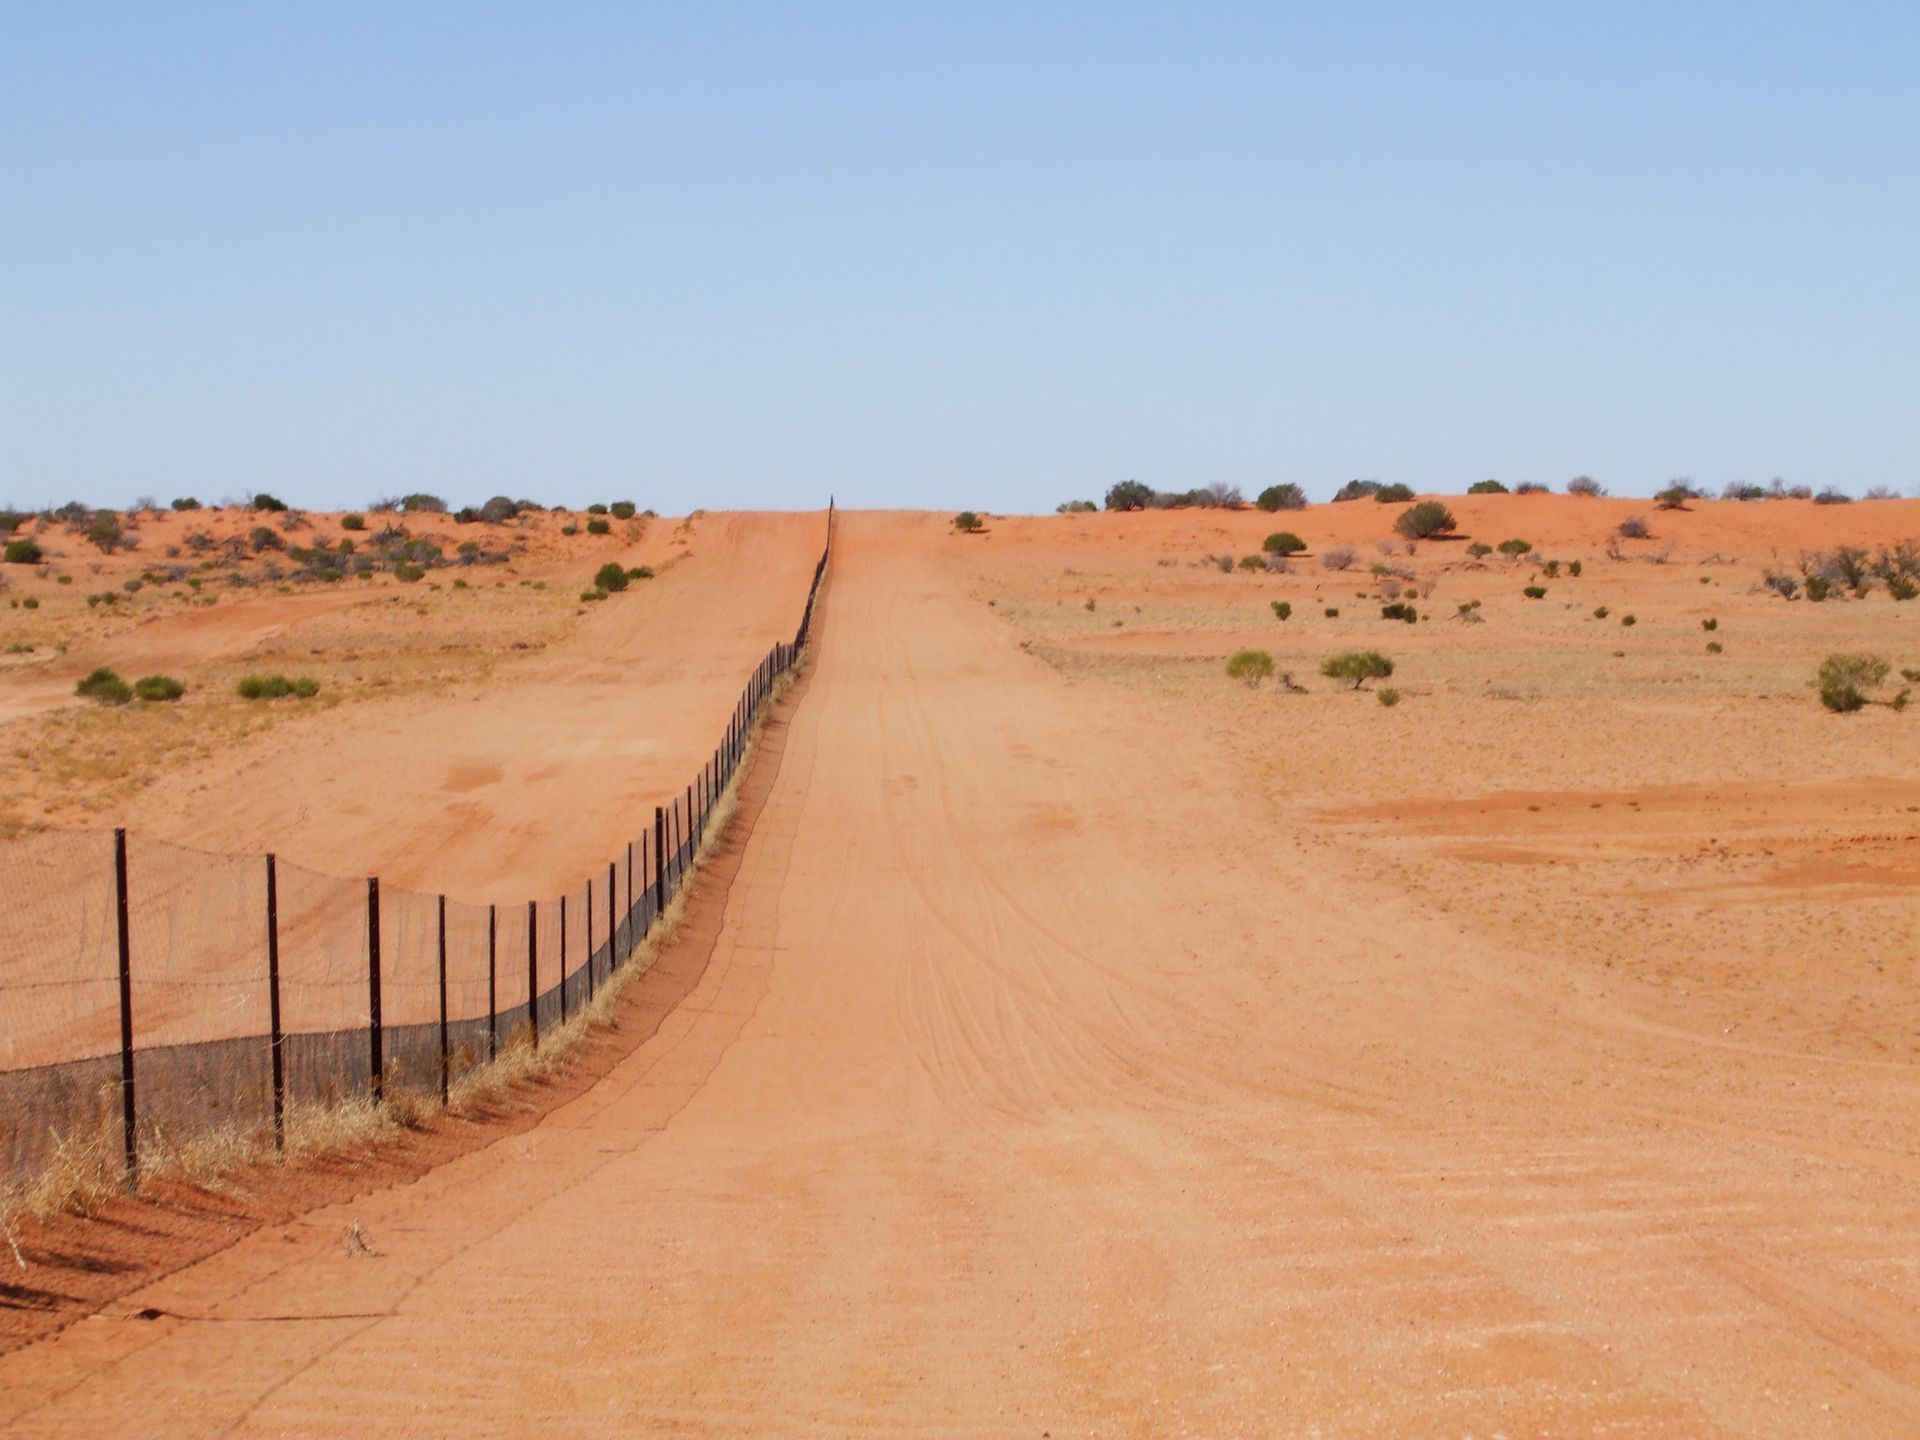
(1079,1041)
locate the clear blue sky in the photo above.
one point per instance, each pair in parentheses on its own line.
(996,255)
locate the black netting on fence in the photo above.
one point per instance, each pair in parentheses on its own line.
(195,972)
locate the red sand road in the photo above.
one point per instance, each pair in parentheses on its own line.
(1045,1081)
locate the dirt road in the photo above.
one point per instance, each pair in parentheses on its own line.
(1047,1079)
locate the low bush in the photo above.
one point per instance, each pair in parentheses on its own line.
(1535,592)
(1479,549)
(1600,612)
(1486,487)
(1713,647)
(158,688)
(420,500)
(611,577)
(1283,542)
(597,508)
(104,686)
(1710,624)
(593,594)
(1356,490)
(1818,587)
(1252,667)
(1634,527)
(1843,680)
(353,520)
(408,574)
(966,522)
(598,526)
(1282,610)
(1332,612)
(1425,520)
(1338,557)
(640,572)
(1573,568)
(32,602)
(22,552)
(1394,494)
(1253,562)
(1831,496)
(1399,611)
(1585,485)
(1075,507)
(1514,549)
(1389,696)
(1629,621)
(186,502)
(264,501)
(1532,487)
(1281,497)
(263,538)
(622,509)
(277,687)
(1359,666)
(1675,496)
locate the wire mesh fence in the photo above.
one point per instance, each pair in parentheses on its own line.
(151,993)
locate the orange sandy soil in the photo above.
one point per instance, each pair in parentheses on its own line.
(1091,1046)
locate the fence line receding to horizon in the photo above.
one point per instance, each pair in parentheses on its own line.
(151,993)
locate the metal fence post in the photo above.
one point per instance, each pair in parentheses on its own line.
(275,1048)
(446,1054)
(563,960)
(613,925)
(377,1068)
(659,861)
(493,998)
(533,972)
(128,1134)
(589,939)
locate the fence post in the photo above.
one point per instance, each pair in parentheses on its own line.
(446,1055)
(377,1068)
(589,939)
(659,861)
(493,1007)
(613,925)
(563,960)
(533,972)
(128,1134)
(274,1037)
(632,861)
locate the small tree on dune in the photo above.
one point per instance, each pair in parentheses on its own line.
(1359,666)
(1252,667)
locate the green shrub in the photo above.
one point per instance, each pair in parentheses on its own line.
(640,572)
(277,687)
(1332,612)
(1844,679)
(1251,666)
(966,522)
(1573,568)
(1281,497)
(1818,587)
(1283,542)
(1486,487)
(1902,588)
(408,574)
(1388,696)
(1359,666)
(610,577)
(1713,647)
(598,526)
(1628,621)
(1477,550)
(1535,592)
(1710,624)
(420,500)
(186,502)
(1282,610)
(593,594)
(1600,612)
(264,501)
(353,520)
(569,529)
(1552,569)
(1399,610)
(158,688)
(1394,494)
(596,509)
(22,552)
(105,531)
(1514,549)
(622,509)
(1253,562)
(1422,521)
(104,686)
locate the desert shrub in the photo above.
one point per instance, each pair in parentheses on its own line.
(1843,680)
(277,687)
(597,508)
(1742,490)
(622,509)
(1253,562)
(32,602)
(104,686)
(1851,565)
(1338,557)
(1332,612)
(1252,667)
(1901,588)
(22,552)
(1634,527)
(593,594)
(353,520)
(1831,496)
(1535,592)
(1075,507)
(1486,487)
(1422,521)
(1356,490)
(1710,623)
(1585,485)
(640,572)
(1514,549)
(1676,496)
(1129,495)
(1573,568)
(1479,549)
(1399,611)
(1913,675)
(1552,569)
(1092,604)
(611,576)
(1781,583)
(158,688)
(1282,610)
(1389,696)
(186,502)
(499,510)
(597,526)
(1532,487)
(421,501)
(1283,542)
(1394,494)
(409,574)
(966,522)
(1281,497)
(1629,621)
(1818,587)
(1359,666)
(264,501)
(1713,647)
(265,537)
(105,532)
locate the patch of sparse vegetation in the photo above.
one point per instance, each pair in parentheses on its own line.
(353,520)
(1713,647)
(104,686)
(1844,679)
(158,688)
(1399,611)
(1389,697)
(1634,527)
(1514,549)
(1332,612)
(22,552)
(277,687)
(1535,592)
(1586,486)
(1339,557)
(1282,610)
(597,526)
(1394,494)
(1359,666)
(1629,621)
(1251,667)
